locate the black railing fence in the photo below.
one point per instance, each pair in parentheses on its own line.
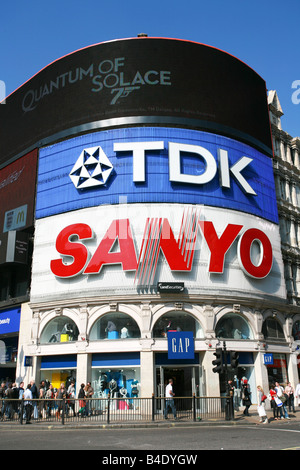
(115,410)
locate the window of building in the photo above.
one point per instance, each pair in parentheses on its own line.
(60,330)
(177,321)
(115,325)
(272,329)
(296,331)
(119,383)
(233,326)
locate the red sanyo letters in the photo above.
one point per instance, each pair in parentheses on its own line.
(158,237)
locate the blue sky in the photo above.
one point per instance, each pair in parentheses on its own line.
(263,33)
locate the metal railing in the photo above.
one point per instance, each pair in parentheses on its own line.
(115,410)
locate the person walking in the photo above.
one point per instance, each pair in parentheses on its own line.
(289,391)
(61,396)
(71,397)
(276,404)
(35,394)
(169,393)
(280,394)
(82,401)
(28,403)
(89,392)
(261,397)
(246,397)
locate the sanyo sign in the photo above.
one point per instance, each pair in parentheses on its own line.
(72,244)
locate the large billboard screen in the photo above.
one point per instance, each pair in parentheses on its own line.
(17,196)
(17,193)
(137,81)
(158,165)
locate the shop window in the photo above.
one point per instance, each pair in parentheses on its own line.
(57,377)
(272,329)
(296,331)
(277,372)
(119,383)
(115,325)
(233,326)
(60,330)
(177,321)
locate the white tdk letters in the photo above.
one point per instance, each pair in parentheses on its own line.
(139,149)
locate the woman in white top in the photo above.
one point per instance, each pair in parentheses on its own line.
(261,405)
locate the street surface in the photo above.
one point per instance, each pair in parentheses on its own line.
(174,439)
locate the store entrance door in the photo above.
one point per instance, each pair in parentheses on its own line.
(185,380)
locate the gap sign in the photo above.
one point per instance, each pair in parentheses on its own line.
(181,345)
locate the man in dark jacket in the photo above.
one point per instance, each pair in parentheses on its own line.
(35,394)
(9,403)
(2,399)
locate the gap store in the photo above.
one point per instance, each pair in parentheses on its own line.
(156,225)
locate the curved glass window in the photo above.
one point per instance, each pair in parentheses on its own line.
(296,331)
(272,329)
(115,325)
(233,326)
(60,330)
(177,321)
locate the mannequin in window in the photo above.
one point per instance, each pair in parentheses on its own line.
(110,327)
(124,333)
(134,388)
(111,330)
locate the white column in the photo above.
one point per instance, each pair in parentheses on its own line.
(147,374)
(293,233)
(288,154)
(292,366)
(296,158)
(261,375)
(294,195)
(287,190)
(282,151)
(84,371)
(212,379)
(298,280)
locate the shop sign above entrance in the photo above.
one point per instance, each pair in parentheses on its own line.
(268,359)
(181,345)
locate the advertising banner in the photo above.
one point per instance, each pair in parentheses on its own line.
(10,320)
(137,82)
(17,196)
(155,164)
(126,249)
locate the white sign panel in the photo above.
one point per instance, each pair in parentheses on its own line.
(127,249)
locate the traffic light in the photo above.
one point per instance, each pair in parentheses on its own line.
(234,359)
(218,362)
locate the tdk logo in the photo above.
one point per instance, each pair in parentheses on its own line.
(93,168)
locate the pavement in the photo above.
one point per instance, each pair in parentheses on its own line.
(239,419)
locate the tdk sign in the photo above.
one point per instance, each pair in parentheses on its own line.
(176,150)
(93,166)
(155,165)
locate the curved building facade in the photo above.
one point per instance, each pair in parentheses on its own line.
(156,230)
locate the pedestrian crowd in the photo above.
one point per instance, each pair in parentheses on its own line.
(282,400)
(50,400)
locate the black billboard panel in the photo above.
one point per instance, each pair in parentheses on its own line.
(137,81)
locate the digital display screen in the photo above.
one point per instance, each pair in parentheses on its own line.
(137,81)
